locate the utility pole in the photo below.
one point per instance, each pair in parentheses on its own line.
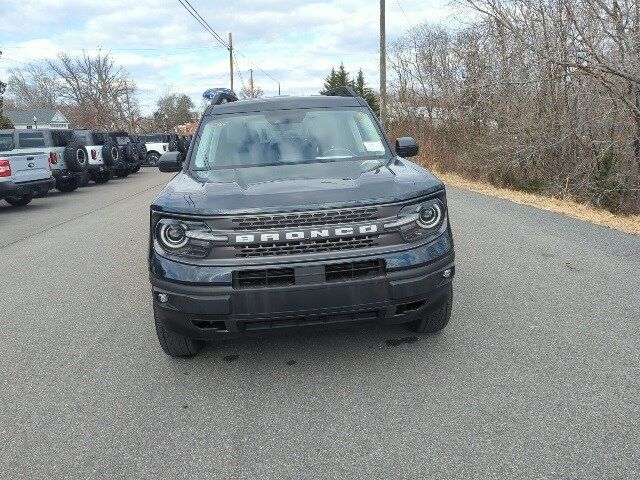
(383,68)
(251,82)
(231,59)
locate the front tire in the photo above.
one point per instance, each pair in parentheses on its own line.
(436,320)
(152,159)
(19,201)
(68,186)
(174,344)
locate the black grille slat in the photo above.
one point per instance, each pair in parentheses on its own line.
(270,277)
(306,246)
(354,270)
(304,219)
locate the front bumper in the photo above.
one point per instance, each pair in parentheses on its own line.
(413,284)
(35,187)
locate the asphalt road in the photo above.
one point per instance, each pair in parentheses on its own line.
(537,375)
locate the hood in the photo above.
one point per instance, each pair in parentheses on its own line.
(294,187)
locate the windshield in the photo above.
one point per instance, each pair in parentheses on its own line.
(6,142)
(289,137)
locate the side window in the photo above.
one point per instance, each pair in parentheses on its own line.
(31,140)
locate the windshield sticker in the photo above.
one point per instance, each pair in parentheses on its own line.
(375,146)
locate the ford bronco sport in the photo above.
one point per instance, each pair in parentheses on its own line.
(67,156)
(22,175)
(296,211)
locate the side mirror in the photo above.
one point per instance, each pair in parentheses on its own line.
(170,162)
(406,147)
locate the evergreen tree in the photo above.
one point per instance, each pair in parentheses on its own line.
(335,79)
(340,78)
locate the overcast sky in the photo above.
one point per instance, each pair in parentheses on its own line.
(161,45)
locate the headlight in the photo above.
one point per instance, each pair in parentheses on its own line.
(420,221)
(185,237)
(429,216)
(173,235)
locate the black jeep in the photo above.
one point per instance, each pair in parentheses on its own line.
(129,160)
(293,212)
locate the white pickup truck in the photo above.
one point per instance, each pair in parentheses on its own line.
(67,156)
(102,152)
(157,145)
(22,175)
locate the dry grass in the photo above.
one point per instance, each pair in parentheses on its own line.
(624,223)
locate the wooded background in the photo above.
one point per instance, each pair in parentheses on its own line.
(542,96)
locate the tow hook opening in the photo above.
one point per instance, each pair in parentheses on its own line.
(210,325)
(408,307)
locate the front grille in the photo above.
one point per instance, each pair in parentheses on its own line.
(306,246)
(338,272)
(270,277)
(304,219)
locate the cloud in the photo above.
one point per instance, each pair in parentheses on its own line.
(160,44)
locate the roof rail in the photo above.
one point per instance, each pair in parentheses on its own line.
(342,91)
(224,97)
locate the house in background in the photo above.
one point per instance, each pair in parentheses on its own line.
(27,119)
(187,128)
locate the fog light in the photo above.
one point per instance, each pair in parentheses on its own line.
(447,273)
(163,297)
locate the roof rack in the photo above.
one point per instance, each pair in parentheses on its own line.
(342,91)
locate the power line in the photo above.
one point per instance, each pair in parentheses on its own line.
(239,72)
(206,23)
(405,14)
(256,66)
(194,13)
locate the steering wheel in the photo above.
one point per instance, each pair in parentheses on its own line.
(338,151)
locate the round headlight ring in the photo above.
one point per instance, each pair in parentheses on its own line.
(429,216)
(173,235)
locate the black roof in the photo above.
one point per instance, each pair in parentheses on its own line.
(284,103)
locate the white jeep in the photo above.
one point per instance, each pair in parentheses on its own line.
(157,145)
(102,152)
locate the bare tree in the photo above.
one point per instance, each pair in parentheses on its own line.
(90,90)
(33,87)
(251,91)
(96,92)
(537,95)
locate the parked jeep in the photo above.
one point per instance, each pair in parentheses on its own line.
(172,140)
(102,152)
(142,150)
(183,144)
(296,211)
(156,147)
(129,159)
(22,175)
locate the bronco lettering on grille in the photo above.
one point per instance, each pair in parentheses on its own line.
(303,234)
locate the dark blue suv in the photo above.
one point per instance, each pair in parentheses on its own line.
(292,212)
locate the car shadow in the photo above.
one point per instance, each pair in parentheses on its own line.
(318,346)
